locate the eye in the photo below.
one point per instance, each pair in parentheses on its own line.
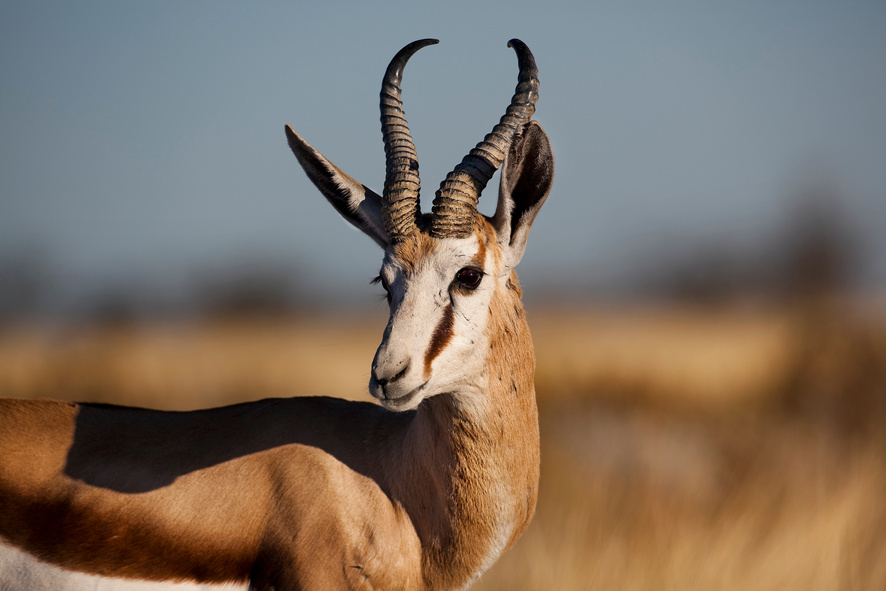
(469,277)
(384,285)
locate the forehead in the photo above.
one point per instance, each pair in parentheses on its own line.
(421,249)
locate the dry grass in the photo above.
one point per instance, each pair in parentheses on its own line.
(696,358)
(191,366)
(700,359)
(682,507)
(682,449)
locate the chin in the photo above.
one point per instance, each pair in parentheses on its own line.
(408,401)
(402,404)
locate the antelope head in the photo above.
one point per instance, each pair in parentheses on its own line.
(443,271)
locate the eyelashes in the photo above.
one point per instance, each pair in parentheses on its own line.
(380,280)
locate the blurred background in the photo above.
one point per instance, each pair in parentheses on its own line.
(706,284)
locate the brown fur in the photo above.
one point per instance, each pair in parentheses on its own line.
(501,451)
(306,493)
(413,250)
(293,493)
(483,237)
(441,337)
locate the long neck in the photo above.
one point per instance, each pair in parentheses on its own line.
(468,476)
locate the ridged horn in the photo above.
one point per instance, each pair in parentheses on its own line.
(400,199)
(456,201)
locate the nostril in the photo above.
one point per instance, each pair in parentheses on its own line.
(384,381)
(400,374)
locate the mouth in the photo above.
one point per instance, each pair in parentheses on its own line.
(397,403)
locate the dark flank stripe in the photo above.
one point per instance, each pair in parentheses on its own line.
(442,336)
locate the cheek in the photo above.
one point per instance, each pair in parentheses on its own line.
(471,316)
(458,341)
(463,358)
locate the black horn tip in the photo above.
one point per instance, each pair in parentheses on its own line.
(394,73)
(525,58)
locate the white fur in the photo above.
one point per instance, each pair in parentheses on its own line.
(420,300)
(19,571)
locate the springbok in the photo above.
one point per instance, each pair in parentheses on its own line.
(321,493)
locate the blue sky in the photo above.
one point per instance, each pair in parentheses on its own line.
(148,137)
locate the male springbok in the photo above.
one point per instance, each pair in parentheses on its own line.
(320,493)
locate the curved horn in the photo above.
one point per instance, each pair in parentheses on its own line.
(400,206)
(456,201)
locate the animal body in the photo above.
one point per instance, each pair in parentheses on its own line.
(421,492)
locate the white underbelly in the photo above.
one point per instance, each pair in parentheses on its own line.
(19,571)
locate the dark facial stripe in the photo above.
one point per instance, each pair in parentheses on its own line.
(442,336)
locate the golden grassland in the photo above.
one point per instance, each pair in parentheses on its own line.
(700,358)
(682,448)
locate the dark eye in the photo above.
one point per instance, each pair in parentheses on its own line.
(469,277)
(384,285)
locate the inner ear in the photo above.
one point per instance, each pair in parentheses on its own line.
(354,201)
(527,176)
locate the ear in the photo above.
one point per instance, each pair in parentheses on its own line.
(526,178)
(356,203)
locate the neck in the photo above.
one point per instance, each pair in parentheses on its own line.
(468,474)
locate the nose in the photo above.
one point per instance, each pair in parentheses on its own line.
(390,373)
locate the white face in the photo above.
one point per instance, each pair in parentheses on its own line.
(436,338)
